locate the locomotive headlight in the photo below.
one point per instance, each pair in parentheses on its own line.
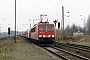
(40,35)
(52,35)
(49,35)
(44,36)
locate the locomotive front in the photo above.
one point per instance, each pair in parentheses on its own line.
(46,33)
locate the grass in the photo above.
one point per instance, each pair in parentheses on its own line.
(6,46)
(82,40)
(85,40)
(21,50)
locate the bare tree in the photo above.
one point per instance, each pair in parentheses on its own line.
(68,30)
(74,28)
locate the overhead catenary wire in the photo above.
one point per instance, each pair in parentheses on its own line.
(80,10)
(58,4)
(54,6)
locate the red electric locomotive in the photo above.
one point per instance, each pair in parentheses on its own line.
(43,33)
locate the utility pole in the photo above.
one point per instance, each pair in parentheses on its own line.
(84,27)
(0,31)
(30,23)
(62,22)
(84,24)
(33,22)
(30,27)
(15,23)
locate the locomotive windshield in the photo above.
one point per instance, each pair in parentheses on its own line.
(50,27)
(42,27)
(46,27)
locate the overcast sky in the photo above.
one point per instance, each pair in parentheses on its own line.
(27,10)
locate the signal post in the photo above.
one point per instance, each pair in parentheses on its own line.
(55,22)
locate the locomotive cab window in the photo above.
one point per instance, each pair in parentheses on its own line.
(50,27)
(33,29)
(42,27)
(46,27)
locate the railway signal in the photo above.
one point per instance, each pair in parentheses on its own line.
(55,22)
(58,25)
(9,31)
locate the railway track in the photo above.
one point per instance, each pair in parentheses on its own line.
(75,46)
(77,49)
(63,54)
(67,51)
(3,38)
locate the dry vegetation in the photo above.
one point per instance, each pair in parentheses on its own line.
(6,46)
(83,40)
(21,50)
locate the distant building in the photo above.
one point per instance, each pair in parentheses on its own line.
(78,33)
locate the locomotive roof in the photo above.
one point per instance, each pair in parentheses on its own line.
(41,23)
(45,24)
